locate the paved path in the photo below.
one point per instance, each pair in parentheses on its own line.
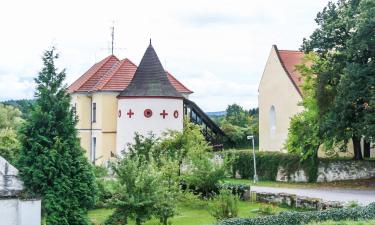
(363,197)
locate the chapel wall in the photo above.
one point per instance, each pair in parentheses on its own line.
(126,127)
(276,89)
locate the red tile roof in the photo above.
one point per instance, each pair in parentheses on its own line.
(111,74)
(289,59)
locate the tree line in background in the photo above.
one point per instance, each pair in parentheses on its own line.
(238,123)
(339,82)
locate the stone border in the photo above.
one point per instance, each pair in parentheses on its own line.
(296,201)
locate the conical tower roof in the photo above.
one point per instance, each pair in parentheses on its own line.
(150,79)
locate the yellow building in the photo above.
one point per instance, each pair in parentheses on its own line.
(94,97)
(279,95)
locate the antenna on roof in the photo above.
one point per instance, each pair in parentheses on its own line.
(112,36)
(111,46)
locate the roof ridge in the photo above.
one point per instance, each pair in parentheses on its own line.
(102,62)
(127,59)
(109,74)
(286,71)
(288,50)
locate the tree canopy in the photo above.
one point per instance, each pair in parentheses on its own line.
(345,75)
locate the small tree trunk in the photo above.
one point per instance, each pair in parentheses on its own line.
(179,168)
(366,149)
(357,148)
(138,221)
(165,221)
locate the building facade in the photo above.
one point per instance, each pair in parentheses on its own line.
(109,114)
(279,95)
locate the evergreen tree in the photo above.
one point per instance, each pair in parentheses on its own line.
(52,164)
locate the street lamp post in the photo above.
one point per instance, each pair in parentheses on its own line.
(255,165)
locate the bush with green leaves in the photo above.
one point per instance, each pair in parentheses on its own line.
(147,183)
(267,210)
(299,218)
(9,145)
(10,120)
(203,175)
(224,205)
(137,192)
(105,186)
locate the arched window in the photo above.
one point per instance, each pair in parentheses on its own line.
(272,121)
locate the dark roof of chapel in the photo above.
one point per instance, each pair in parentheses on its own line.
(150,79)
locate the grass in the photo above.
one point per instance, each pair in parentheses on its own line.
(188,214)
(367,222)
(350,184)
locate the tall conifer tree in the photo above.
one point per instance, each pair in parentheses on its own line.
(52,164)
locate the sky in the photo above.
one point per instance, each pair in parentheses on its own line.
(217,48)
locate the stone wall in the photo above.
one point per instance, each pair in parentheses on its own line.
(345,170)
(329,171)
(296,201)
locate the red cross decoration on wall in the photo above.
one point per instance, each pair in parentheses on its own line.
(130,113)
(164,114)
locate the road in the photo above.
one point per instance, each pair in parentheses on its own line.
(363,197)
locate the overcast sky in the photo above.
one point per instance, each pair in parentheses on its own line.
(217,48)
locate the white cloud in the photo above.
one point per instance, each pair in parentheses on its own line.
(230,39)
(223,91)
(16,87)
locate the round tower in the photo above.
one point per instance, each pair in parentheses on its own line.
(148,104)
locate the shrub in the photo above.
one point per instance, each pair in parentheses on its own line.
(189,198)
(267,210)
(236,189)
(224,205)
(203,175)
(267,163)
(298,218)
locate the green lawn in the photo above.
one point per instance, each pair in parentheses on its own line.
(188,215)
(368,222)
(352,184)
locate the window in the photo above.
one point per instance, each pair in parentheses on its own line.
(74,108)
(272,121)
(94,112)
(93,150)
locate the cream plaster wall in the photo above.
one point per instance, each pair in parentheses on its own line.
(276,89)
(82,103)
(104,128)
(126,127)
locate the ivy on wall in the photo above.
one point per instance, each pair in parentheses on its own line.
(268,163)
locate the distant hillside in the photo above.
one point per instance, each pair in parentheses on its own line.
(219,113)
(23,105)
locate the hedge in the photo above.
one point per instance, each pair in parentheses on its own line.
(299,218)
(267,164)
